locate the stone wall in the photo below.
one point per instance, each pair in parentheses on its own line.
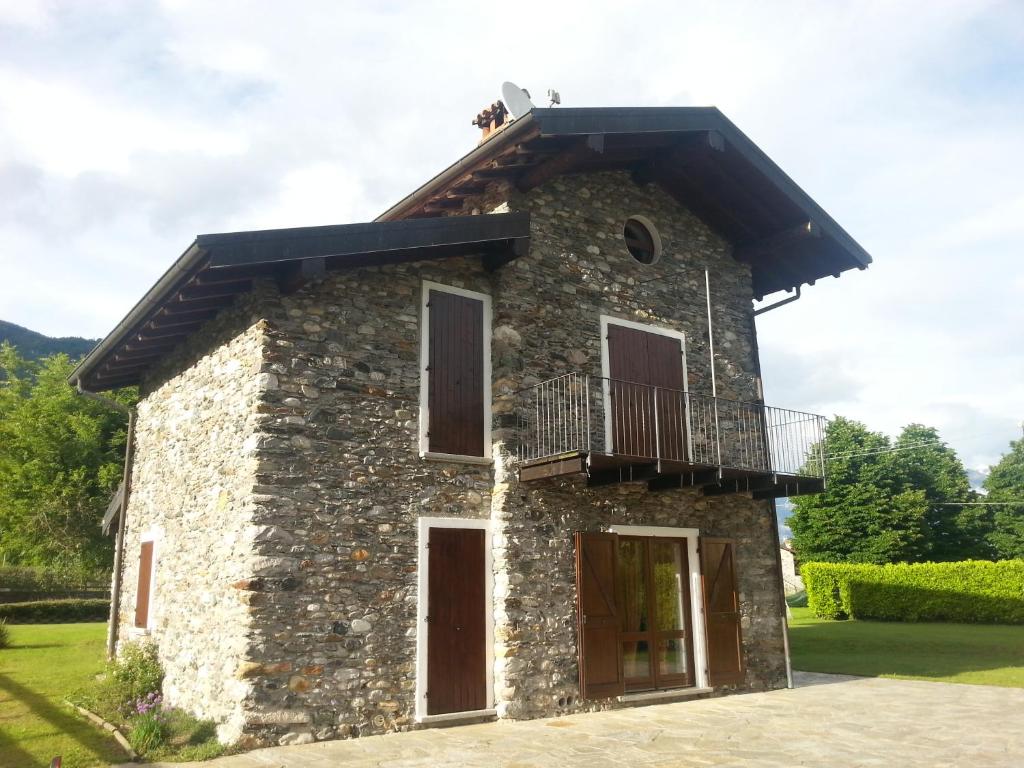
(192,486)
(340,489)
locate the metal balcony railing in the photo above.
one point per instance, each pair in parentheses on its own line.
(578,413)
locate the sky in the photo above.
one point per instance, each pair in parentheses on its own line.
(126,128)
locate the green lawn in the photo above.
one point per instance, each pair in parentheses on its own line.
(953,653)
(45,663)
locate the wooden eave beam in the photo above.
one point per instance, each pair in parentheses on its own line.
(496,259)
(177,333)
(185,306)
(222,290)
(176,321)
(679,156)
(125,357)
(690,193)
(443,204)
(296,274)
(779,241)
(564,162)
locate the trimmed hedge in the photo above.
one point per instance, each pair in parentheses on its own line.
(972,591)
(55,611)
(37,579)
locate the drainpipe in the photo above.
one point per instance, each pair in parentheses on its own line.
(782,594)
(129,455)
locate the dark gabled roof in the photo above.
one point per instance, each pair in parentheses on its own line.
(217,268)
(695,153)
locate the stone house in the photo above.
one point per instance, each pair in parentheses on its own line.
(502,452)
(792,583)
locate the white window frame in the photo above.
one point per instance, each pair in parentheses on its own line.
(423,626)
(692,536)
(424,440)
(607,320)
(155,536)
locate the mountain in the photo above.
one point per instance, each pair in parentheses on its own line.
(34,345)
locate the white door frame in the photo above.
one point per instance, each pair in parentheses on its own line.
(423,626)
(692,536)
(607,320)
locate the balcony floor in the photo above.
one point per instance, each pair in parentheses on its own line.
(664,474)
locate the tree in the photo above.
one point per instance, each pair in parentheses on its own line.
(865,515)
(1005,486)
(60,461)
(923,462)
(889,502)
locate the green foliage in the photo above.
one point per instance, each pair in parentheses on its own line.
(972,591)
(41,579)
(186,738)
(60,460)
(128,694)
(883,507)
(127,680)
(5,634)
(136,673)
(55,611)
(148,732)
(1005,484)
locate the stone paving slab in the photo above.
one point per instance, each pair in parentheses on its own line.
(828,720)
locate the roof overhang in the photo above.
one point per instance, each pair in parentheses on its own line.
(215,269)
(694,153)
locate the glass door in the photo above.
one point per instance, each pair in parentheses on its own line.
(655,615)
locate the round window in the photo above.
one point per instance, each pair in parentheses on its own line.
(642,239)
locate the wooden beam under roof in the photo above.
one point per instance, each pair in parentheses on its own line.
(222,290)
(781,240)
(561,163)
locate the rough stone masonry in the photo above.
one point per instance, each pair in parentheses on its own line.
(278,471)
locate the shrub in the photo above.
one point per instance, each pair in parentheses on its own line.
(5,634)
(55,611)
(136,674)
(129,681)
(972,591)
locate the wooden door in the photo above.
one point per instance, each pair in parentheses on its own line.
(721,611)
(644,422)
(457,621)
(600,652)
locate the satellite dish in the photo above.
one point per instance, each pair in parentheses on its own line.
(517,100)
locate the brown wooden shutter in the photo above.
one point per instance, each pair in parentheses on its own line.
(600,652)
(455,395)
(721,611)
(665,370)
(650,360)
(145,577)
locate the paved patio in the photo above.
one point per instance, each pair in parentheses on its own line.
(828,720)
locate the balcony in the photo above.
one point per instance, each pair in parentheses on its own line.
(613,431)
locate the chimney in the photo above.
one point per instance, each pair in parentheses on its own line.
(491,120)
